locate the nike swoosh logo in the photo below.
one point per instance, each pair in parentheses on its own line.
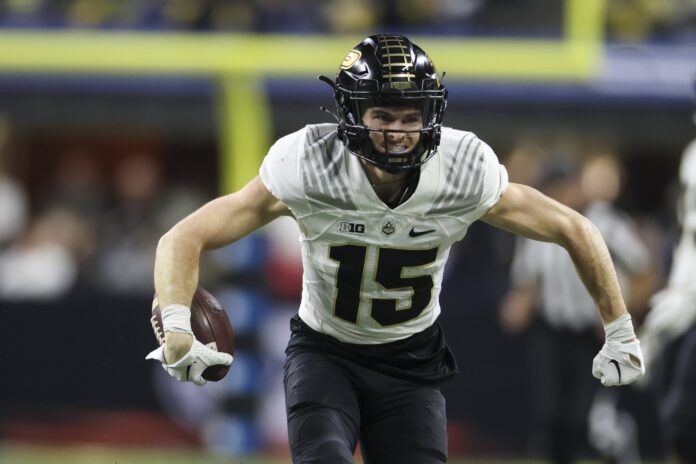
(616,365)
(413,233)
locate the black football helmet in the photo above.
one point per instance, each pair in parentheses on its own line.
(388,70)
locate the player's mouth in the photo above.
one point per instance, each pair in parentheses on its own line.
(399,148)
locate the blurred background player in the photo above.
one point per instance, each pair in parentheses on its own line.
(548,298)
(670,328)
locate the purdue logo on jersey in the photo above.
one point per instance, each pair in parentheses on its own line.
(389,226)
(351,227)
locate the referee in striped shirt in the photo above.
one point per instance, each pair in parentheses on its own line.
(548,297)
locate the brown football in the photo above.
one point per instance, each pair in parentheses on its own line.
(210,325)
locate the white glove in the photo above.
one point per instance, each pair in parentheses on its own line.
(620,361)
(190,368)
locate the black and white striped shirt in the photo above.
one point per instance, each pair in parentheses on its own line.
(564,301)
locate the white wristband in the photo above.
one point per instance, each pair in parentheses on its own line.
(177,318)
(620,329)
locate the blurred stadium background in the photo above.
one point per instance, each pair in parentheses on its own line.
(117,118)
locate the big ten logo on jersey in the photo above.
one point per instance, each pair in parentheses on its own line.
(351,227)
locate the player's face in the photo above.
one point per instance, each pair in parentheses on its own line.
(397,120)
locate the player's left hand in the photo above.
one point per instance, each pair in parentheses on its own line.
(620,361)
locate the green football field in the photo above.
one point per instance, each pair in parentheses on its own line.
(16,454)
(20,454)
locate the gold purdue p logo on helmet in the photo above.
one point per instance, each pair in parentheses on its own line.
(351,58)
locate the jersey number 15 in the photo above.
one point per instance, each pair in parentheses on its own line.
(390,263)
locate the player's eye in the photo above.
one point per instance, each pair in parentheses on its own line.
(412,119)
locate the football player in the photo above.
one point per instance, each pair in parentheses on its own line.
(380,197)
(670,328)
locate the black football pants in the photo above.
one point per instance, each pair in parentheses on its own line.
(332,402)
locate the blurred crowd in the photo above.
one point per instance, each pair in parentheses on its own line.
(77,221)
(627,20)
(84,222)
(98,221)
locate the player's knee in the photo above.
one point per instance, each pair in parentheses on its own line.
(320,435)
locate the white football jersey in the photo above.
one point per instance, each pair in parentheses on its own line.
(682,276)
(373,274)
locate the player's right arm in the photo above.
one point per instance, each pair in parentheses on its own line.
(525,211)
(216,224)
